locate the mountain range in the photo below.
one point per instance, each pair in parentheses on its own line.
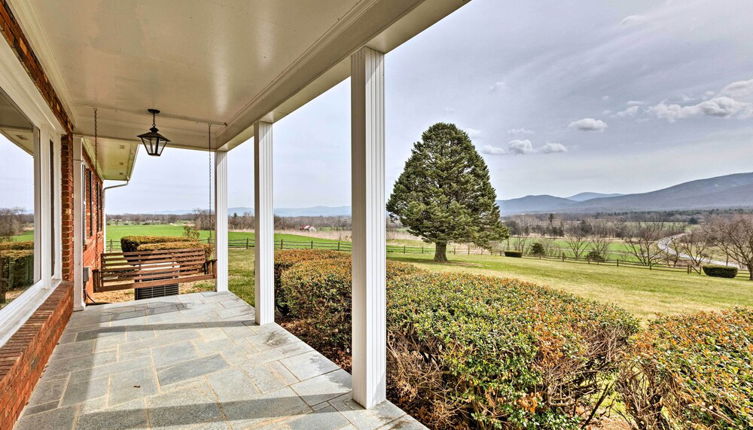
(721,192)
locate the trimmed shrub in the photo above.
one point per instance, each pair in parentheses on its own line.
(595,256)
(284,259)
(16,270)
(4,246)
(510,354)
(538,250)
(468,351)
(177,245)
(514,254)
(691,371)
(720,271)
(133,243)
(320,292)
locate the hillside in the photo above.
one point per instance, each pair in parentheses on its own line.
(722,192)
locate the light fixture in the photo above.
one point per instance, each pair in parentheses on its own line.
(154,143)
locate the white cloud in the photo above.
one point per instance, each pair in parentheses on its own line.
(734,100)
(519,131)
(497,86)
(723,107)
(473,132)
(520,147)
(588,124)
(739,89)
(635,103)
(523,147)
(493,150)
(633,20)
(629,111)
(552,147)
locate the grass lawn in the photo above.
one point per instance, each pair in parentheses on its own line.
(643,292)
(638,290)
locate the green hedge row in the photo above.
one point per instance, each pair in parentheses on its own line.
(177,245)
(133,243)
(720,271)
(471,351)
(514,254)
(691,372)
(16,269)
(4,246)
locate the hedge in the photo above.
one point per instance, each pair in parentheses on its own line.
(4,246)
(472,351)
(320,292)
(133,243)
(515,254)
(16,270)
(720,271)
(284,259)
(691,371)
(177,245)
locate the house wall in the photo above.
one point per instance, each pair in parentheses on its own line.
(23,357)
(94,244)
(25,354)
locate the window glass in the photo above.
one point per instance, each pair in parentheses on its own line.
(17,152)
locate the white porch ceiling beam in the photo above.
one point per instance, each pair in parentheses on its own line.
(220,223)
(369,257)
(264,290)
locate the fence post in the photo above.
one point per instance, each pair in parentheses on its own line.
(618,262)
(246,243)
(454,250)
(338,245)
(281,244)
(422,250)
(312,244)
(405,249)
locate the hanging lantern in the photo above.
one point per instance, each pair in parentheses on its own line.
(154,143)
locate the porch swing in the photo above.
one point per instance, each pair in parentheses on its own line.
(160,269)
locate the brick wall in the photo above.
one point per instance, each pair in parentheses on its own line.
(94,232)
(66,177)
(15,37)
(23,357)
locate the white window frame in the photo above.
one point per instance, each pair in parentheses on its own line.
(16,83)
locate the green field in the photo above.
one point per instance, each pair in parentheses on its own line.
(115,232)
(643,292)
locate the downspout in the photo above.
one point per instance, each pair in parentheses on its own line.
(104,213)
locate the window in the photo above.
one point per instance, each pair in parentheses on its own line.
(84,204)
(19,234)
(53,233)
(90,203)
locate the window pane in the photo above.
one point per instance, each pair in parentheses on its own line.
(17,151)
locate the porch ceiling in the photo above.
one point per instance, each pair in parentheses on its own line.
(228,61)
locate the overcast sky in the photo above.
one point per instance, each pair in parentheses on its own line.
(560,97)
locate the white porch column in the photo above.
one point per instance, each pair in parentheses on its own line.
(264,289)
(78,233)
(220,226)
(367,167)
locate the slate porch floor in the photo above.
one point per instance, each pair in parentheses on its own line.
(193,361)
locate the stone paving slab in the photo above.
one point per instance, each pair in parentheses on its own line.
(194,361)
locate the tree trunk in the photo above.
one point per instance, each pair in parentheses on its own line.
(750,271)
(440,252)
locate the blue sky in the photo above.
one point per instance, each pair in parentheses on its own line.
(560,97)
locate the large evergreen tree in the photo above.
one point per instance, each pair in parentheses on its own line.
(444,193)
